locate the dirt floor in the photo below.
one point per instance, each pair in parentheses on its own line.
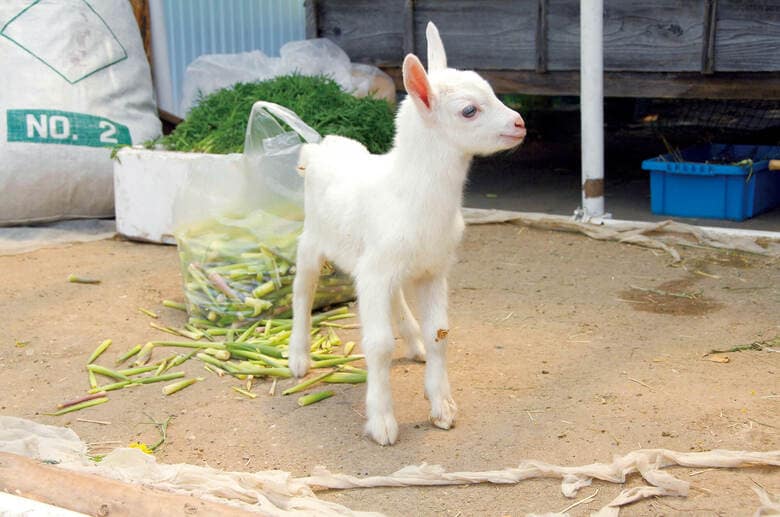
(563,349)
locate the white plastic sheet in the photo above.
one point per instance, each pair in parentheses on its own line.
(279,493)
(662,235)
(22,239)
(211,72)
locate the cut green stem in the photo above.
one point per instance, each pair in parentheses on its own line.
(92,379)
(110,387)
(98,351)
(159,378)
(107,372)
(127,355)
(81,399)
(174,305)
(188,344)
(346,378)
(77,407)
(333,362)
(148,312)
(75,279)
(307,383)
(138,370)
(314,397)
(244,392)
(144,355)
(170,389)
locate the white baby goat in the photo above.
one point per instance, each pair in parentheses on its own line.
(394,221)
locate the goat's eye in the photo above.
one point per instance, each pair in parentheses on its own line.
(469,111)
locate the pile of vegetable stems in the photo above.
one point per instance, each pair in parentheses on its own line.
(230,280)
(257,351)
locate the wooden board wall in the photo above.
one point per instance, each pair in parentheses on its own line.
(141,12)
(645,41)
(639,35)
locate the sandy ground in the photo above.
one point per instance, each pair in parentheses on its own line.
(554,356)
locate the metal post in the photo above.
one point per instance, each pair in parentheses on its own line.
(592,106)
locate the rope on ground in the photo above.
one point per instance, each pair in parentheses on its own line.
(647,462)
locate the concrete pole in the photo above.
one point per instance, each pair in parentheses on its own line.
(592,106)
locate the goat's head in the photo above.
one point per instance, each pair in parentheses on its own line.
(460,105)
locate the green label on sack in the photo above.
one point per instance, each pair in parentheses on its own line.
(64,127)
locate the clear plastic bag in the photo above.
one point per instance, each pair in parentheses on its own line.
(211,72)
(237,237)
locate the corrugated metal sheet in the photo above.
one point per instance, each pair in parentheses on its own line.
(196,27)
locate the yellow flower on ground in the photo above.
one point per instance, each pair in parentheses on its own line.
(141,446)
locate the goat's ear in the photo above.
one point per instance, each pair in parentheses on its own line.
(437,59)
(416,82)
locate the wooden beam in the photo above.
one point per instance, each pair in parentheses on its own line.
(95,495)
(408,27)
(141,12)
(708,39)
(688,85)
(541,36)
(312,19)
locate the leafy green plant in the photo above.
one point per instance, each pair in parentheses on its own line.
(218,123)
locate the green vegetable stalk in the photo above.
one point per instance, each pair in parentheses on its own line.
(236,280)
(107,372)
(314,397)
(77,407)
(170,389)
(98,351)
(127,355)
(75,279)
(306,384)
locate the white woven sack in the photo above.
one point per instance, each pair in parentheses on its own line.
(74,82)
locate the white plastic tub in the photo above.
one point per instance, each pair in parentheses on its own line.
(146,183)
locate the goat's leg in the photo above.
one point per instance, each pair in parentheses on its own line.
(408,328)
(375,302)
(432,299)
(308,265)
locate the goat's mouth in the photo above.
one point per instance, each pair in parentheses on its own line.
(514,138)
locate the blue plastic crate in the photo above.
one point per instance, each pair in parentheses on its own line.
(707,183)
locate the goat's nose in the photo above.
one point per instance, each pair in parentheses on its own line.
(519,122)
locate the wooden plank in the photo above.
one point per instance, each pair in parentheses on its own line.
(364,29)
(541,36)
(708,41)
(633,84)
(312,18)
(409,27)
(639,35)
(95,495)
(748,36)
(489,34)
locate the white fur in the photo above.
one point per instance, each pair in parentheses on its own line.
(394,222)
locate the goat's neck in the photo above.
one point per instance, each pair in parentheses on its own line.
(425,164)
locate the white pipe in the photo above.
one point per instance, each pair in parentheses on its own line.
(161,65)
(592,106)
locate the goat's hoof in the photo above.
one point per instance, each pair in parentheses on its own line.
(443,413)
(383,429)
(298,364)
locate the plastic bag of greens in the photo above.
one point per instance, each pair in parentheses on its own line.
(237,233)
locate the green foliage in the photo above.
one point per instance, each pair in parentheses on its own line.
(218,123)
